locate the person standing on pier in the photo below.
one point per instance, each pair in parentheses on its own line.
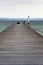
(28,21)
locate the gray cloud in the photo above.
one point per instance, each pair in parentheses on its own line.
(8,8)
(15,2)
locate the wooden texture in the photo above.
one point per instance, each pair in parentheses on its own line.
(20,45)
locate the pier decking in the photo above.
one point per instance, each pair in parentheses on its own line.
(20,45)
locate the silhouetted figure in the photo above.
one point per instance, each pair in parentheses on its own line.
(23,22)
(18,22)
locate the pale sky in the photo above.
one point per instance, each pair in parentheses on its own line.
(21,8)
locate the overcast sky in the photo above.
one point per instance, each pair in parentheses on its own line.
(21,8)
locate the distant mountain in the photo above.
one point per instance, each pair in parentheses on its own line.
(13,19)
(21,19)
(36,19)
